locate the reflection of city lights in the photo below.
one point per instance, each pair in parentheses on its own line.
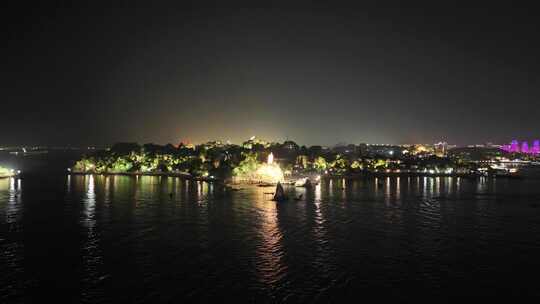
(269,260)
(90,203)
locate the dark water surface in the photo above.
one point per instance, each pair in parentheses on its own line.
(158,239)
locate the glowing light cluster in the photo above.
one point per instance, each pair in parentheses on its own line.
(252,171)
(516,147)
(270,173)
(8,172)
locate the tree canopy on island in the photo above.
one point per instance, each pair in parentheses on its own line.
(219,160)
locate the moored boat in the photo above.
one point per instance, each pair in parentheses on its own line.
(279,195)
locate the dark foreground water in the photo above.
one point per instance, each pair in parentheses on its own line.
(157,239)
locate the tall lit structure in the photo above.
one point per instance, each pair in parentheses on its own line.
(440,148)
(270,159)
(524,147)
(514,146)
(536,147)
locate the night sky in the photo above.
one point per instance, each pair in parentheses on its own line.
(317,75)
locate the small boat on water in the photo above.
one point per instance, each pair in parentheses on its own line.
(307,182)
(303,182)
(279,195)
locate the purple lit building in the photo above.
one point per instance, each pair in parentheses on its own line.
(525,147)
(516,147)
(536,147)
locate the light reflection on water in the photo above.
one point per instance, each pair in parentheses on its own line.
(269,262)
(89,202)
(165,237)
(11,195)
(11,250)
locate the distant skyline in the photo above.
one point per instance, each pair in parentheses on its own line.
(92,75)
(509,146)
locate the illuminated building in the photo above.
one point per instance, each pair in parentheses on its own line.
(440,148)
(536,147)
(516,147)
(524,147)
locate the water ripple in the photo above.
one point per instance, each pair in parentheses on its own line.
(158,239)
